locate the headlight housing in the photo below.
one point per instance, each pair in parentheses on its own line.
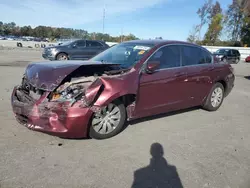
(53,50)
(77,92)
(219,56)
(70,93)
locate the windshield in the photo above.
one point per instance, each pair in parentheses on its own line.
(221,51)
(125,54)
(66,43)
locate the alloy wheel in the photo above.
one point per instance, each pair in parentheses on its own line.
(106,121)
(62,57)
(217,97)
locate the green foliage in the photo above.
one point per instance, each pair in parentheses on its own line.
(57,33)
(215,9)
(245,32)
(235,20)
(214,30)
(194,34)
(246,7)
(203,14)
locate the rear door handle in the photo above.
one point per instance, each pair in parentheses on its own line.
(179,74)
(212,68)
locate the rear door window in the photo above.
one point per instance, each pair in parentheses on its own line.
(80,43)
(93,44)
(169,57)
(192,55)
(205,58)
(236,52)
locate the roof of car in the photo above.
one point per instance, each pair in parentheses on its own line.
(227,49)
(158,42)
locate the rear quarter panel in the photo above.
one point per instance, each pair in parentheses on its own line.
(223,72)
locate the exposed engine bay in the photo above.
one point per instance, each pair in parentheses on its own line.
(75,86)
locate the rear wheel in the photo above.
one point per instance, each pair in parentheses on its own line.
(215,98)
(62,57)
(237,61)
(224,60)
(109,121)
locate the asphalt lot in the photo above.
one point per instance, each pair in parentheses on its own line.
(202,149)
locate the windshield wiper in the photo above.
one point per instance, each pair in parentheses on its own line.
(113,72)
(105,62)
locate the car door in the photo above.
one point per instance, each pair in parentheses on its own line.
(236,55)
(93,48)
(163,90)
(198,62)
(230,56)
(78,50)
(233,55)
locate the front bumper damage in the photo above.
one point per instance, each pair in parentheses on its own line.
(55,118)
(60,99)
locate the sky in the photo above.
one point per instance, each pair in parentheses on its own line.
(169,19)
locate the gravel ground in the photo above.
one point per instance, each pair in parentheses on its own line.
(201,149)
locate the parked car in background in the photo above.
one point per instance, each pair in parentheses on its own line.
(247,59)
(75,50)
(3,38)
(130,80)
(228,55)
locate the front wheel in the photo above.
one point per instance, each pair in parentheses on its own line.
(215,98)
(62,57)
(224,60)
(109,121)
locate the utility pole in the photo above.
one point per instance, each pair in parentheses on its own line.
(122,35)
(103,21)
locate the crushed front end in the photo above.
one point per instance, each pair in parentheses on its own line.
(64,112)
(59,99)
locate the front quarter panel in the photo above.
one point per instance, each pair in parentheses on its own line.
(117,86)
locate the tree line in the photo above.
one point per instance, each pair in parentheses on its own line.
(58,33)
(230,27)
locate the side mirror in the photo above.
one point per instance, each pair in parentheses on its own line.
(152,66)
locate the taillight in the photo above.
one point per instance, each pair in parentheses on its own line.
(231,69)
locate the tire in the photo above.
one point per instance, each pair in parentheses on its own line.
(224,60)
(237,61)
(101,126)
(62,57)
(209,105)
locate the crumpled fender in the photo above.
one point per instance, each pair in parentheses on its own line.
(116,87)
(92,91)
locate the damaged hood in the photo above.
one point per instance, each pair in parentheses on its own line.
(48,75)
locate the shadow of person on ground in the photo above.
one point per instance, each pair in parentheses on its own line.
(162,115)
(158,174)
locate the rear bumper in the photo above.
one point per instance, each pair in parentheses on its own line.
(230,84)
(54,118)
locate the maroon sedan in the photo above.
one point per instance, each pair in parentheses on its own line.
(247,59)
(134,79)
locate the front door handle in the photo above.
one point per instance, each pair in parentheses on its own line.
(212,68)
(179,74)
